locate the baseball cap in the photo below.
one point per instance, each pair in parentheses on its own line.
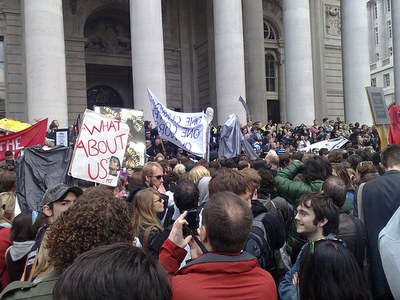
(58,192)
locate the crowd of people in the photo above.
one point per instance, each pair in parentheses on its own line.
(286,224)
(281,137)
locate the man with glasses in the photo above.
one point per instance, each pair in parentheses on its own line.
(153,176)
(317,218)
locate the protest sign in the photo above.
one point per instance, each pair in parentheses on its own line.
(135,150)
(31,136)
(99,149)
(186,130)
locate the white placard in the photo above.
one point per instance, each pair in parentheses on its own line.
(100,149)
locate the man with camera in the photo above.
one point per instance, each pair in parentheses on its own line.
(221,269)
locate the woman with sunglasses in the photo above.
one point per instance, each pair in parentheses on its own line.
(146,226)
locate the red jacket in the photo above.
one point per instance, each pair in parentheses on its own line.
(5,242)
(216,276)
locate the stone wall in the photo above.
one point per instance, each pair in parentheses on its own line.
(11,29)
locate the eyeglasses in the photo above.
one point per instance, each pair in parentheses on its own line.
(159,200)
(158,177)
(336,240)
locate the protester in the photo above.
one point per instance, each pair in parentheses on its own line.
(23,232)
(329,271)
(317,218)
(97,219)
(351,230)
(153,176)
(126,273)
(147,203)
(55,201)
(225,271)
(376,214)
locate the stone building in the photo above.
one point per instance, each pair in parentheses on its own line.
(293,60)
(381,46)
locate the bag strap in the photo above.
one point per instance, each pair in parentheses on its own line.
(359,245)
(360,208)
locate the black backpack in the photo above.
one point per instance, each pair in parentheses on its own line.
(257,243)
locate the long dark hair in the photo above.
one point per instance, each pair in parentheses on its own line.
(329,271)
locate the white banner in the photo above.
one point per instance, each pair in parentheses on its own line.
(332,144)
(100,149)
(186,130)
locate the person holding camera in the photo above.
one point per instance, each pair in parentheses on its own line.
(221,269)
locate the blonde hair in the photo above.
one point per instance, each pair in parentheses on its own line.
(144,215)
(198,173)
(44,266)
(180,170)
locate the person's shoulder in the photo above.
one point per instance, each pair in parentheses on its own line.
(30,290)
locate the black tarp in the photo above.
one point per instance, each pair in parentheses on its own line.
(38,170)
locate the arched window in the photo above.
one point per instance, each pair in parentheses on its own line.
(269,32)
(101,95)
(270,72)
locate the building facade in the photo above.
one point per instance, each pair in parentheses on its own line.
(381,46)
(291,60)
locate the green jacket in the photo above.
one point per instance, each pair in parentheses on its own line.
(42,290)
(291,189)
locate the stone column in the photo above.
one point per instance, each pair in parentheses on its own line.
(282,83)
(253,33)
(147,53)
(229,59)
(298,62)
(45,60)
(396,47)
(356,73)
(382,36)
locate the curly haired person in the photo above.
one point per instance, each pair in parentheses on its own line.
(97,219)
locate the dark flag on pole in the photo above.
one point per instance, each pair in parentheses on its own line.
(246,108)
(76,129)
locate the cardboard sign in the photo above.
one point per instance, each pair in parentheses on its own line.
(186,130)
(31,136)
(100,149)
(134,154)
(378,105)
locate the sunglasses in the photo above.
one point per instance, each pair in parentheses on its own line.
(158,177)
(336,240)
(159,200)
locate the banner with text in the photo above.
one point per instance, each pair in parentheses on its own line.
(100,149)
(31,136)
(186,130)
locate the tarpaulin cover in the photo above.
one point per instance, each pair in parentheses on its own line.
(232,139)
(38,170)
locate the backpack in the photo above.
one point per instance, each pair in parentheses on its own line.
(257,243)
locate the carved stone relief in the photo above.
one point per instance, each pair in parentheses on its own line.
(332,20)
(108,35)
